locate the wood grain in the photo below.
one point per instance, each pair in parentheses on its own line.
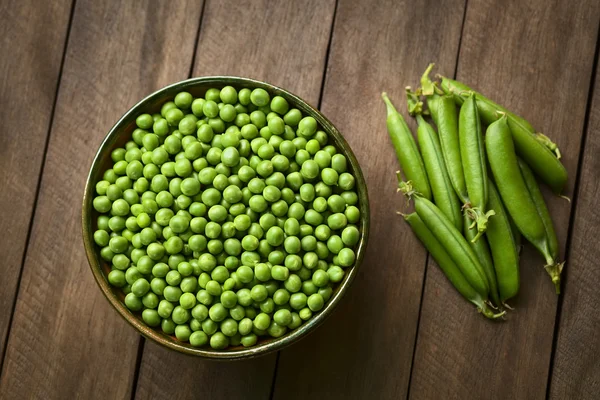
(65,341)
(283,43)
(364,350)
(28,81)
(576,372)
(538,65)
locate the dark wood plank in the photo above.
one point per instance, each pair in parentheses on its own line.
(539,65)
(28,81)
(279,47)
(65,341)
(365,348)
(576,371)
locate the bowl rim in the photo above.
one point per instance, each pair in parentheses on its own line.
(269,345)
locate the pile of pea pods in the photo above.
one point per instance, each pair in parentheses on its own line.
(474,187)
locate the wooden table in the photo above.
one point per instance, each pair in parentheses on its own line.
(70,68)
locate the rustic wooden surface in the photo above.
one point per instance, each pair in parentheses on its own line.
(71,68)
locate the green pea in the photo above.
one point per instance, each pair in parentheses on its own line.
(183,100)
(280,273)
(337,221)
(133,302)
(262,321)
(259,97)
(283,317)
(275,236)
(315,302)
(298,300)
(198,339)
(346,257)
(117,278)
(322,190)
(338,163)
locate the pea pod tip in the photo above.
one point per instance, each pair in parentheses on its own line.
(485,310)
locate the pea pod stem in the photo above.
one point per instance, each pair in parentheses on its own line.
(448,266)
(427,85)
(407,153)
(472,154)
(451,239)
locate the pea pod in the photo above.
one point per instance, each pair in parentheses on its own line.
(540,153)
(443,111)
(538,200)
(502,245)
(451,239)
(482,251)
(406,150)
(472,154)
(488,109)
(538,156)
(516,195)
(441,187)
(448,266)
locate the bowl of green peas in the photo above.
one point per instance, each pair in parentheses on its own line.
(224,217)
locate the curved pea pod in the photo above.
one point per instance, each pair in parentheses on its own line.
(516,195)
(450,238)
(482,251)
(448,266)
(472,153)
(408,155)
(489,110)
(540,203)
(502,245)
(538,156)
(441,187)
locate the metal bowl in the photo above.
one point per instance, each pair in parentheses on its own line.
(121,133)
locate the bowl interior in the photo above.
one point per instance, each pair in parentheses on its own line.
(121,133)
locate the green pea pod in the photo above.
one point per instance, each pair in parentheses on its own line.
(441,187)
(482,251)
(515,193)
(472,153)
(540,203)
(443,112)
(540,153)
(406,150)
(502,245)
(448,266)
(451,239)
(449,139)
(488,109)
(538,156)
